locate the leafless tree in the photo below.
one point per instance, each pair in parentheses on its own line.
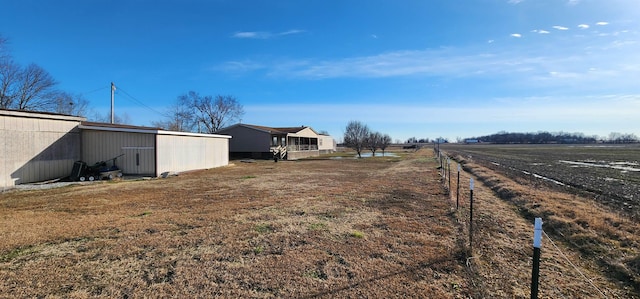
(385,142)
(181,116)
(373,141)
(9,77)
(66,103)
(214,113)
(355,136)
(122,119)
(35,89)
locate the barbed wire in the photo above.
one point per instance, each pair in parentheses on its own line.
(573,265)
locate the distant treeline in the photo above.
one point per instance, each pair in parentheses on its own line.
(546,137)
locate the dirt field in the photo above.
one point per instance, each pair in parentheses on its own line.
(368,228)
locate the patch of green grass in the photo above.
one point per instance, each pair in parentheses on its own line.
(16,253)
(248,177)
(263,228)
(318,226)
(357,234)
(258,249)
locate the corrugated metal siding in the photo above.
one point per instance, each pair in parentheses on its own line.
(36,148)
(248,140)
(183,153)
(105,145)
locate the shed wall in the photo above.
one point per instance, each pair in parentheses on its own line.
(138,149)
(184,153)
(36,148)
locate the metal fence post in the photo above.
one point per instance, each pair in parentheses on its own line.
(535,271)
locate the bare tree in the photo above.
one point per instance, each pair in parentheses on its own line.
(385,142)
(66,103)
(355,136)
(35,89)
(181,116)
(373,142)
(9,78)
(217,112)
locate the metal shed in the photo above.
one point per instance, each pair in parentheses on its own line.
(37,146)
(152,151)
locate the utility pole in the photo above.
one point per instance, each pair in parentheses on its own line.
(113,89)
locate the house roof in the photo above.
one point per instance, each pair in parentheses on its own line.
(272,130)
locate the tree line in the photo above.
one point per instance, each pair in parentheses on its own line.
(359,137)
(547,137)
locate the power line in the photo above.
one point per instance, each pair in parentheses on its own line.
(95,90)
(141,103)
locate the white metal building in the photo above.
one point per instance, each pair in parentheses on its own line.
(38,146)
(151,151)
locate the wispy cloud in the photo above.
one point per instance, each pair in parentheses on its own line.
(514,1)
(602,23)
(540,31)
(560,28)
(265,34)
(583,26)
(518,35)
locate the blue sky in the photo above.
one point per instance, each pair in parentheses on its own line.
(407,68)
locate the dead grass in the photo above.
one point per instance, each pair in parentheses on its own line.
(375,227)
(350,228)
(602,243)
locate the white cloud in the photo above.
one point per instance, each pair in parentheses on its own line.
(490,41)
(290,32)
(374,36)
(583,26)
(514,1)
(252,34)
(264,34)
(560,28)
(540,31)
(602,23)
(573,2)
(518,35)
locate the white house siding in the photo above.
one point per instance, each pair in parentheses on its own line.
(36,146)
(326,144)
(138,149)
(177,153)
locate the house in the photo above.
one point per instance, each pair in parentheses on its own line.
(40,146)
(261,142)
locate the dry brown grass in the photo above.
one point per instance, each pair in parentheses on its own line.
(603,244)
(381,227)
(334,228)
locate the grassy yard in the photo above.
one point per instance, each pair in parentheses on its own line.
(383,227)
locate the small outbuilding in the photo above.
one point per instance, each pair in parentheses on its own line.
(39,146)
(152,151)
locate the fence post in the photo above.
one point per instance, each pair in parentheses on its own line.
(449,170)
(470,215)
(535,271)
(458,189)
